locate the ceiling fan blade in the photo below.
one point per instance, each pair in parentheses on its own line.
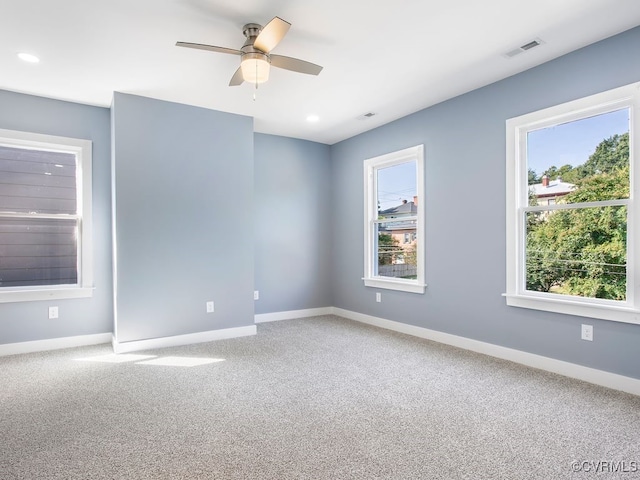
(295,64)
(271,34)
(210,48)
(237,78)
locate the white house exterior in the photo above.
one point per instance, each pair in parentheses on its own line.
(549,191)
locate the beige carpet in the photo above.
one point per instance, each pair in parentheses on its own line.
(320,398)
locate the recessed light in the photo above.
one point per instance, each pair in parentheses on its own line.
(313,118)
(27,57)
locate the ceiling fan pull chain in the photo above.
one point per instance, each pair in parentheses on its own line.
(255,91)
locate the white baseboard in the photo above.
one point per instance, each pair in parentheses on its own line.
(178,340)
(291,314)
(53,344)
(572,370)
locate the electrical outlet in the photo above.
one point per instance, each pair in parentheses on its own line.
(587,332)
(53,312)
(378,297)
(210,308)
(256,295)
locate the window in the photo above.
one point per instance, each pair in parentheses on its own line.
(572,217)
(45,217)
(394,214)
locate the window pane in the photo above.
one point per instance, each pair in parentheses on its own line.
(585,160)
(396,187)
(581,252)
(397,258)
(37,252)
(36,181)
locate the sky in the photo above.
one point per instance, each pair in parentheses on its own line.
(572,143)
(395,184)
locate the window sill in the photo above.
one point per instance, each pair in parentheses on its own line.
(43,294)
(392,284)
(615,313)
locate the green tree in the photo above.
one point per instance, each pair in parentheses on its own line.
(563,172)
(411,255)
(610,155)
(544,271)
(582,251)
(386,248)
(612,185)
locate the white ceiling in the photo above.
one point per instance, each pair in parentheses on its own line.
(389,58)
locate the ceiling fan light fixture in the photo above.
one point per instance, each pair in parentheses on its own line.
(255,67)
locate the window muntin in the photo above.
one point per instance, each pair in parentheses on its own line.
(394,250)
(571,217)
(45,217)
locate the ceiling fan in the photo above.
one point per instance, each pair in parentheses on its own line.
(255,55)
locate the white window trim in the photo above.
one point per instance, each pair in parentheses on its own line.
(83,150)
(371,214)
(516,170)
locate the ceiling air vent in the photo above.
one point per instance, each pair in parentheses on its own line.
(523,48)
(366,116)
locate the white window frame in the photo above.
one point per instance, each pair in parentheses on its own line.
(627,311)
(82,149)
(371,166)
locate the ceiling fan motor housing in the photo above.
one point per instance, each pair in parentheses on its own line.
(251,31)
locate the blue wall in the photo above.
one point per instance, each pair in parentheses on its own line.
(27,321)
(292,224)
(183,218)
(464,141)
